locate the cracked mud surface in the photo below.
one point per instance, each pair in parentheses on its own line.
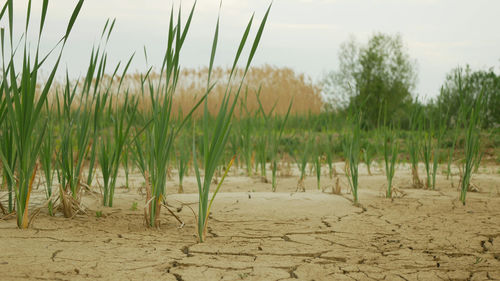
(259,235)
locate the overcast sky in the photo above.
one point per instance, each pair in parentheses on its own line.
(302,34)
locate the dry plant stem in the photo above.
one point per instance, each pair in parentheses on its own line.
(274,170)
(337,189)
(148,208)
(33,216)
(70,204)
(72,197)
(3,209)
(416,182)
(174,215)
(8,216)
(64,201)
(157,212)
(301,186)
(25,216)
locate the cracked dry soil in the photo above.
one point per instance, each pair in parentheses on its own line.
(260,235)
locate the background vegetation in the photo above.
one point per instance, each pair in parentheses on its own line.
(204,121)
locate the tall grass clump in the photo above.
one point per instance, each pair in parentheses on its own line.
(459,121)
(368,156)
(246,132)
(9,163)
(162,130)
(472,126)
(126,163)
(436,153)
(426,149)
(111,151)
(263,143)
(391,150)
(276,137)
(101,96)
(24,104)
(316,161)
(214,139)
(451,150)
(83,105)
(352,151)
(73,149)
(302,158)
(182,162)
(413,144)
(430,148)
(329,150)
(46,158)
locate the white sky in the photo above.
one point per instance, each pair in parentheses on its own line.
(302,34)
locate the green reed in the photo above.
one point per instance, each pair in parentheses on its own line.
(24,103)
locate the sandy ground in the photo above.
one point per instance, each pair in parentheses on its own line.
(255,234)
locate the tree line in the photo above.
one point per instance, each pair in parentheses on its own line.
(379,78)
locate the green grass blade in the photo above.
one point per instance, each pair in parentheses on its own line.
(72,20)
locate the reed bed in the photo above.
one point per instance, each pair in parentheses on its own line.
(274,86)
(78,134)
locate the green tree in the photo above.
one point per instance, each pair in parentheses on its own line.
(463,86)
(377,75)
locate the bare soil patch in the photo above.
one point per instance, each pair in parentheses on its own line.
(255,234)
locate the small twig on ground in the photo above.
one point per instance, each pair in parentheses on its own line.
(33,216)
(173,214)
(8,216)
(3,209)
(398,193)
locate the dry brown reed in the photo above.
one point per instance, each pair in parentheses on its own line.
(278,85)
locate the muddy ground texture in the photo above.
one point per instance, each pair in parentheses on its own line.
(255,234)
